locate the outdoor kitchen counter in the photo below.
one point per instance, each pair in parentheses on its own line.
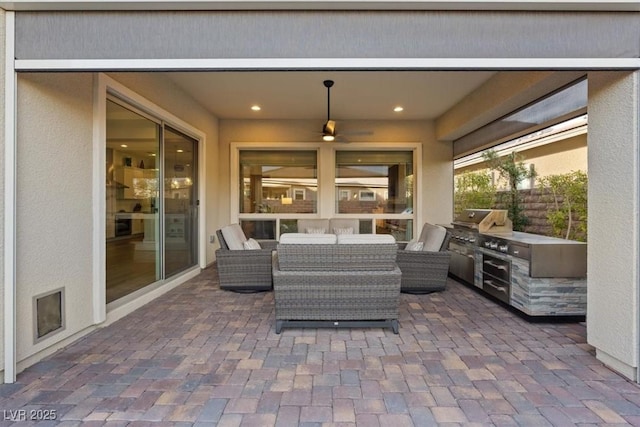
(532,239)
(538,296)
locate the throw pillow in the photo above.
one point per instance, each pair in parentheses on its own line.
(346,230)
(414,246)
(251,244)
(316,230)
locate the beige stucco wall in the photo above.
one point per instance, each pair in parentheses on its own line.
(437,174)
(612,310)
(54,207)
(163,92)
(54,212)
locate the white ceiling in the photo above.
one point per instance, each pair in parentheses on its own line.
(356,95)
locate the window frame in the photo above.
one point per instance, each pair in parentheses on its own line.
(326,155)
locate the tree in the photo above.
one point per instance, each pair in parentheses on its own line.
(568,217)
(474,190)
(514,171)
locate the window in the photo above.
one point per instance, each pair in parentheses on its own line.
(366,196)
(268,177)
(278,185)
(382,180)
(298,194)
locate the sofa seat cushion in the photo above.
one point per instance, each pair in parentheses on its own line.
(307,239)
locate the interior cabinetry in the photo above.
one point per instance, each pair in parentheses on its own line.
(126,176)
(137,182)
(137,226)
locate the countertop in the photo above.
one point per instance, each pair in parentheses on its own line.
(532,239)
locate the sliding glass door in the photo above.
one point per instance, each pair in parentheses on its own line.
(132,215)
(180,201)
(151,185)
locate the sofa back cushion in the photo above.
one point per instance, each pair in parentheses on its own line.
(343,225)
(432,237)
(234,237)
(366,239)
(313,226)
(307,239)
(372,253)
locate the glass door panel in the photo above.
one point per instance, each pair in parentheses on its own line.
(132,219)
(180,202)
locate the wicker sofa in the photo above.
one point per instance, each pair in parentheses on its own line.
(336,281)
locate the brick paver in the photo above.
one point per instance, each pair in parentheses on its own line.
(202,356)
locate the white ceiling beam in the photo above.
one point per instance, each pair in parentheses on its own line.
(391,64)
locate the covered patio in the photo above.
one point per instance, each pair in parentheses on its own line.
(202,356)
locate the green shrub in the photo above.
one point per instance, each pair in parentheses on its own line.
(568,217)
(514,171)
(473,190)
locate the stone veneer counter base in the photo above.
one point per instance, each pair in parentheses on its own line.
(539,297)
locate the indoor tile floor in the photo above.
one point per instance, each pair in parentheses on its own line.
(202,356)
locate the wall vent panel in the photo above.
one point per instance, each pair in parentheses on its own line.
(49,314)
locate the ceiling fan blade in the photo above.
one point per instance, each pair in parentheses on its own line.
(357,132)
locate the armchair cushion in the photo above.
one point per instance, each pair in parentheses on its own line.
(414,246)
(234,237)
(251,244)
(432,237)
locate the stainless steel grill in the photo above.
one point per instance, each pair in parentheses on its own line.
(484,249)
(464,236)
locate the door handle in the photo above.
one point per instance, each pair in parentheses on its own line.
(498,266)
(496,287)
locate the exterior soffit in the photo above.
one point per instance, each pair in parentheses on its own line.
(444,5)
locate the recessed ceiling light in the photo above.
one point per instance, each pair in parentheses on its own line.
(180,151)
(123,145)
(398,109)
(256,108)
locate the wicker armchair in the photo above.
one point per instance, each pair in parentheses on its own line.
(244,270)
(425,271)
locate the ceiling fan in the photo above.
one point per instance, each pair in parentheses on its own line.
(329,132)
(329,128)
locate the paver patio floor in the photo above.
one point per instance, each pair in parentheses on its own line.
(202,356)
